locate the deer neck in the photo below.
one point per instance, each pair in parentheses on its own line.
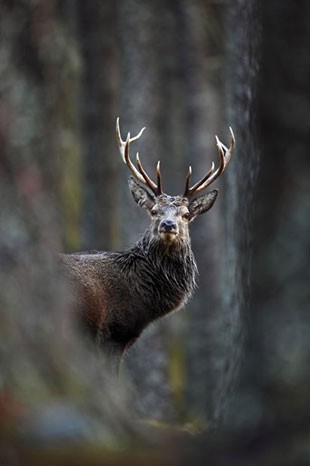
(171,269)
(156,249)
(173,261)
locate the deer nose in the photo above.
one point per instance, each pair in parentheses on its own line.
(168,226)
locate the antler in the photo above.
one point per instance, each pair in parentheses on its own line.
(225,156)
(140,175)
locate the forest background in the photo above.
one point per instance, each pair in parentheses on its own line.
(237,358)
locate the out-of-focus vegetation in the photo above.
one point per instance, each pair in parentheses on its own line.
(225,381)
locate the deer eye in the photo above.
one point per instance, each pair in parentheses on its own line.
(186,216)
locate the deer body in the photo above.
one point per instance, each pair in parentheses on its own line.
(120,293)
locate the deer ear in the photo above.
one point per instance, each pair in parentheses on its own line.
(201,204)
(142,197)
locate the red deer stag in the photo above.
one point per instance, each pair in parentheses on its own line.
(120,293)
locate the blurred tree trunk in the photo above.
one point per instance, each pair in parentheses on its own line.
(281,294)
(99,97)
(273,393)
(243,46)
(203,50)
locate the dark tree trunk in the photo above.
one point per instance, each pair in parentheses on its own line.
(99,97)
(281,294)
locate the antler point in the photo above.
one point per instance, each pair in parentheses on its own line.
(232,135)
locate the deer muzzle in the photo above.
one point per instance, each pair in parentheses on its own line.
(168,229)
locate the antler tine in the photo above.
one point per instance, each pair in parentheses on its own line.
(188,177)
(146,178)
(224,155)
(121,143)
(189,191)
(129,163)
(159,182)
(140,175)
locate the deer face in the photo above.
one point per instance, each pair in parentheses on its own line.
(170,218)
(170,215)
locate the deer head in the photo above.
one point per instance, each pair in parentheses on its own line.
(171,214)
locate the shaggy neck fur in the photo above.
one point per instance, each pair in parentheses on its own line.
(162,273)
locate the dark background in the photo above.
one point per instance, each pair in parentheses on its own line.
(233,367)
